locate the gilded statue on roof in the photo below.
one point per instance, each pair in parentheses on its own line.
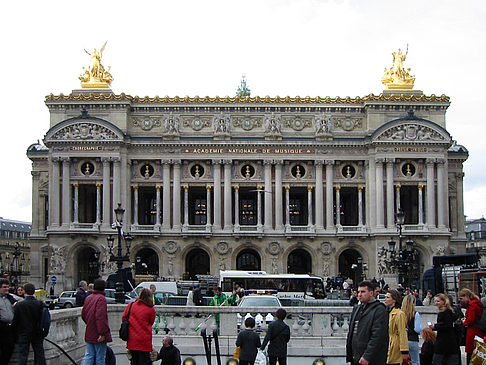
(96,76)
(397,77)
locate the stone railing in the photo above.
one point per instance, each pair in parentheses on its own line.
(315,331)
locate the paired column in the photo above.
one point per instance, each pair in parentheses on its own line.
(370,193)
(166,195)
(442,196)
(98,203)
(228,211)
(116,181)
(319,197)
(217,194)
(420,205)
(54,196)
(157,205)
(76,203)
(360,206)
(208,206)
(397,196)
(237,207)
(310,220)
(267,193)
(287,208)
(186,207)
(329,194)
(278,196)
(379,194)
(338,206)
(66,192)
(176,197)
(135,205)
(106,192)
(430,193)
(390,206)
(259,207)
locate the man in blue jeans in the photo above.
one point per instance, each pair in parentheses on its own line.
(95,315)
(26,323)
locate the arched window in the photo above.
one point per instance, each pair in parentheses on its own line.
(299,262)
(248,260)
(88,265)
(197,263)
(147,262)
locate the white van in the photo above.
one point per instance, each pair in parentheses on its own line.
(160,286)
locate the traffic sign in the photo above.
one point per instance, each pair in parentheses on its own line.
(53,279)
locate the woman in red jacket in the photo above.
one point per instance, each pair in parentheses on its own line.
(142,317)
(474,310)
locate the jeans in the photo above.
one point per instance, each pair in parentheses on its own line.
(95,354)
(39,357)
(140,358)
(272,360)
(413,349)
(442,359)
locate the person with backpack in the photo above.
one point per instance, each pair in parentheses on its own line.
(27,326)
(474,312)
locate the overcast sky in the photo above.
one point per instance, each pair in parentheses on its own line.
(294,47)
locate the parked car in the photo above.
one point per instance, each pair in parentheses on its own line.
(110,296)
(259,301)
(66,299)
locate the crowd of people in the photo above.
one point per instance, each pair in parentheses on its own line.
(395,325)
(20,322)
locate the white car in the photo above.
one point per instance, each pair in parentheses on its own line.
(259,301)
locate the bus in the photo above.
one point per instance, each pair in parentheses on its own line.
(286,286)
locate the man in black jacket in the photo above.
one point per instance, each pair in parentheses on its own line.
(278,334)
(169,354)
(6,316)
(26,323)
(367,341)
(81,294)
(249,342)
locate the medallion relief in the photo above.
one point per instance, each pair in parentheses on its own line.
(146,123)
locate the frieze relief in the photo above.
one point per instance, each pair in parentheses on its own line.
(297,124)
(273,124)
(247,123)
(58,260)
(348,124)
(274,248)
(146,123)
(171,247)
(171,125)
(221,124)
(84,131)
(410,132)
(323,125)
(196,123)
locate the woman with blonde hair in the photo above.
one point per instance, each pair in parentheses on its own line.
(413,327)
(141,319)
(446,346)
(397,334)
(474,311)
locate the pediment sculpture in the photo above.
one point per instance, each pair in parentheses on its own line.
(411,132)
(85,131)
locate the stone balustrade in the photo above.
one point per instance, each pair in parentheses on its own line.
(315,331)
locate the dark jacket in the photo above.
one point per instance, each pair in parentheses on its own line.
(371,340)
(197,297)
(427,353)
(446,342)
(26,322)
(169,355)
(278,334)
(80,297)
(249,342)
(95,315)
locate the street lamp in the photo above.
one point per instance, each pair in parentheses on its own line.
(15,267)
(119,258)
(403,260)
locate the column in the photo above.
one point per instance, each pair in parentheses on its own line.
(338,206)
(310,220)
(420,205)
(460,204)
(329,194)
(116,182)
(379,194)
(430,193)
(259,207)
(66,192)
(166,195)
(106,192)
(390,206)
(319,197)
(135,205)
(370,193)
(217,194)
(278,196)
(397,196)
(287,207)
(360,206)
(37,222)
(186,206)
(442,199)
(208,206)
(228,211)
(76,203)
(176,196)
(157,205)
(267,193)
(237,208)
(98,203)
(54,197)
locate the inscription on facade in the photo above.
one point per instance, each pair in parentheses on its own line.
(291,151)
(85,148)
(410,149)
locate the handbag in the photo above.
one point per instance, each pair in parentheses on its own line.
(478,356)
(123,332)
(236,355)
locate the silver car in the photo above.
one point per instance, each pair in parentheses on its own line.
(258,301)
(67,299)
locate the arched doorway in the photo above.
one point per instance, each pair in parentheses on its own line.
(248,260)
(351,265)
(147,262)
(299,262)
(88,265)
(197,263)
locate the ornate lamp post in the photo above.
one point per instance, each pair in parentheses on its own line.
(119,258)
(15,267)
(403,259)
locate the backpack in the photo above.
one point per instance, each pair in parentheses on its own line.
(481,325)
(45,321)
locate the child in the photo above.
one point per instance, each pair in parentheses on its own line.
(427,352)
